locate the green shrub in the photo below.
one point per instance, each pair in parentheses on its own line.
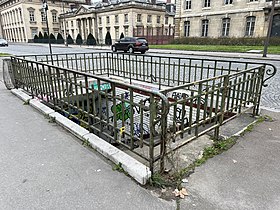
(79,39)
(69,39)
(226,41)
(91,40)
(40,40)
(108,39)
(59,39)
(122,35)
(36,39)
(52,39)
(46,38)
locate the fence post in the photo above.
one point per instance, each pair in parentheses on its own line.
(153,110)
(163,138)
(259,90)
(220,120)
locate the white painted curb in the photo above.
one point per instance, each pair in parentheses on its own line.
(20,94)
(134,168)
(69,125)
(35,103)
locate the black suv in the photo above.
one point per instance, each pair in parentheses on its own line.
(131,44)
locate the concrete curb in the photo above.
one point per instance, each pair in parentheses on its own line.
(35,103)
(134,168)
(20,94)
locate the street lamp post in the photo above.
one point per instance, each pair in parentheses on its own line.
(64,23)
(45,7)
(266,43)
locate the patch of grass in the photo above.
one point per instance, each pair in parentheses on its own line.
(86,143)
(216,48)
(26,102)
(4,54)
(251,126)
(217,148)
(51,119)
(158,180)
(118,167)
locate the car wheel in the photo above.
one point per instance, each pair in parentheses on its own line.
(130,50)
(114,49)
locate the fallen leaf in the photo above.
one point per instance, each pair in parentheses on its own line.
(176,192)
(181,194)
(184,191)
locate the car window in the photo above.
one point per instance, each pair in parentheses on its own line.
(122,40)
(142,40)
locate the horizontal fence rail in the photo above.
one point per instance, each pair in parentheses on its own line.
(143,102)
(160,70)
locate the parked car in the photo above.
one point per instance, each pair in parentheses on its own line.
(3,42)
(131,44)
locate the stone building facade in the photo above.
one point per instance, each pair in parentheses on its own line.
(225,18)
(22,19)
(116,18)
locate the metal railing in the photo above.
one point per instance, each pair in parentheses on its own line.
(143,102)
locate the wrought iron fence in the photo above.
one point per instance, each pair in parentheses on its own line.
(142,102)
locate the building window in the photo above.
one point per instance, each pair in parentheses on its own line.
(43,16)
(100,20)
(54,17)
(108,19)
(253,0)
(250,25)
(226,25)
(228,1)
(117,33)
(116,19)
(204,31)
(158,19)
(188,4)
(139,31)
(100,35)
(125,18)
(31,16)
(72,24)
(187,26)
(34,32)
(206,3)
(126,31)
(149,31)
(166,20)
(149,18)
(138,18)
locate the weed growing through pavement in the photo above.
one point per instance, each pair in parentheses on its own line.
(86,143)
(118,167)
(218,147)
(26,102)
